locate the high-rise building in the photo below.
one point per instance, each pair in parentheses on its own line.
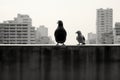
(17,31)
(91,38)
(104,25)
(117,33)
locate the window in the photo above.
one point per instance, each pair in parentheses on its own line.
(24,28)
(12,24)
(24,25)
(102,23)
(18,24)
(12,28)
(18,31)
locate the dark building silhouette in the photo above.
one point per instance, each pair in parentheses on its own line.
(60,33)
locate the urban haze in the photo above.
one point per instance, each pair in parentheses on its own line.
(75,14)
(69,25)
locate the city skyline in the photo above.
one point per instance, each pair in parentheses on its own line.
(12,21)
(20,31)
(75,14)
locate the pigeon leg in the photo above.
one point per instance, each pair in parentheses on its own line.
(63,44)
(78,44)
(57,44)
(83,43)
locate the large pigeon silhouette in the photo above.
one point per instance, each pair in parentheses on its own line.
(60,33)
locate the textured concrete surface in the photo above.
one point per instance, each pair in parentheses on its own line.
(59,62)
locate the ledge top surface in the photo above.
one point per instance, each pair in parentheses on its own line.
(52,45)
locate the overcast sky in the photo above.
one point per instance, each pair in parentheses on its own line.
(76,14)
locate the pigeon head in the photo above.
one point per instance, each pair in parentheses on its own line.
(78,32)
(60,23)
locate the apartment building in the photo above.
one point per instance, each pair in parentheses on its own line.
(17,31)
(104,25)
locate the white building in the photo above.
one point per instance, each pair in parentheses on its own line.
(117,33)
(42,35)
(104,25)
(91,38)
(17,31)
(44,40)
(41,31)
(23,19)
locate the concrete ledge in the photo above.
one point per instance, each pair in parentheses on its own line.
(35,62)
(94,53)
(55,45)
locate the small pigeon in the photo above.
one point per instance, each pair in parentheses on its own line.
(60,33)
(80,38)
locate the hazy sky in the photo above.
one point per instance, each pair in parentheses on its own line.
(76,14)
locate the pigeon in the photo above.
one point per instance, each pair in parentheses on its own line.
(80,38)
(60,33)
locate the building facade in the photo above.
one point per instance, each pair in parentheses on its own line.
(42,35)
(41,31)
(91,38)
(104,25)
(17,31)
(117,33)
